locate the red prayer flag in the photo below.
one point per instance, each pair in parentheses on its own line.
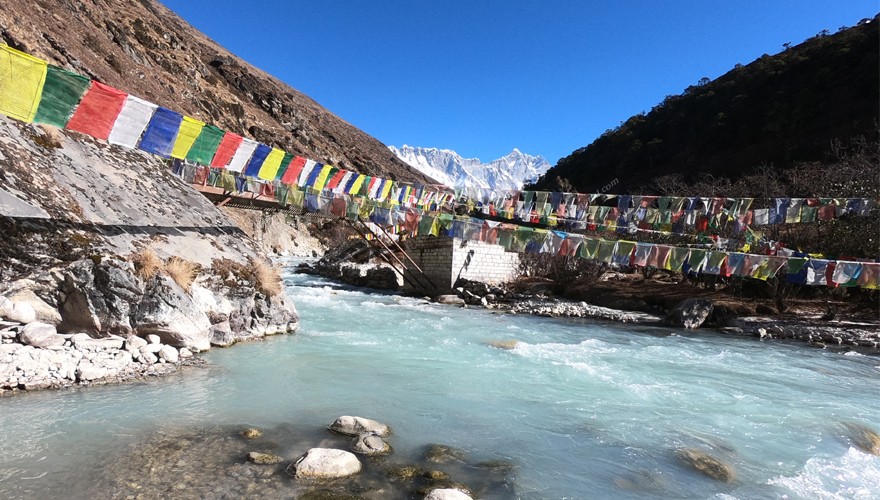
(97,111)
(334,182)
(226,150)
(293,171)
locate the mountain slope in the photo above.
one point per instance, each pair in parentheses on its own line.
(143,48)
(448,167)
(778,110)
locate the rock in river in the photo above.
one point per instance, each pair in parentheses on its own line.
(355,426)
(325,463)
(707,464)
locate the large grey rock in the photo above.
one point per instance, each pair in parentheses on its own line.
(87,371)
(169,312)
(690,313)
(5,306)
(133,343)
(43,312)
(41,335)
(168,353)
(98,298)
(82,340)
(453,300)
(22,312)
(221,334)
(368,444)
(355,426)
(447,494)
(325,463)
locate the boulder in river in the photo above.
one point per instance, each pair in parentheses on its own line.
(447,494)
(355,426)
(690,313)
(863,438)
(370,445)
(707,464)
(324,463)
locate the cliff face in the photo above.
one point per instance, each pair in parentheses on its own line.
(778,111)
(143,48)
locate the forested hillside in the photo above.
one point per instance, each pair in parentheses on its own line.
(776,112)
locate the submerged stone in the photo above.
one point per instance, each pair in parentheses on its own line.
(264,458)
(368,444)
(251,433)
(706,464)
(863,438)
(503,344)
(447,494)
(441,454)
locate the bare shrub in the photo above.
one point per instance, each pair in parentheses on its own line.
(182,271)
(267,279)
(146,263)
(563,271)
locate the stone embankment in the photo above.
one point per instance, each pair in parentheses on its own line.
(689,314)
(96,321)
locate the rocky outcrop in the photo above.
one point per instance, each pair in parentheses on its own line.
(325,463)
(96,297)
(690,313)
(169,312)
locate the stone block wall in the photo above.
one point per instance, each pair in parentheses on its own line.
(445,259)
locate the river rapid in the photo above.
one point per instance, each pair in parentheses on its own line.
(574,408)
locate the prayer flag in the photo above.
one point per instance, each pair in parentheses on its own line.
(306,172)
(22,77)
(190,128)
(285,164)
(260,154)
(97,111)
(270,167)
(313,174)
(242,155)
(292,174)
(205,145)
(227,148)
(131,122)
(62,92)
(161,132)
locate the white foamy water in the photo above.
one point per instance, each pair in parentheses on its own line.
(584,409)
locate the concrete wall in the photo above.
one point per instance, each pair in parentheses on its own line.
(444,259)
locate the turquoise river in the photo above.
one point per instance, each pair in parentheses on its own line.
(578,409)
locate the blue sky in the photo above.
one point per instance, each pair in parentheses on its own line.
(483,77)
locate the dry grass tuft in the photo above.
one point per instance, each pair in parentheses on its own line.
(50,138)
(147,264)
(267,278)
(182,271)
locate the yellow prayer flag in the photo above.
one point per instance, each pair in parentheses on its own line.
(386,190)
(356,186)
(270,166)
(190,128)
(21,83)
(322,177)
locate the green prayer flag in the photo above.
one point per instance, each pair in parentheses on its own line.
(206,144)
(61,95)
(285,163)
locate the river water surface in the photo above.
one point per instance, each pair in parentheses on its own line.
(580,409)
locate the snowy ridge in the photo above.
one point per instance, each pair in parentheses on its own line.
(448,167)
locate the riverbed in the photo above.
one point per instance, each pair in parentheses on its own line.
(573,408)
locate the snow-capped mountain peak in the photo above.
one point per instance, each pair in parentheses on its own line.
(447,166)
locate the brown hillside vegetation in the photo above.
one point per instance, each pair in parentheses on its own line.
(143,48)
